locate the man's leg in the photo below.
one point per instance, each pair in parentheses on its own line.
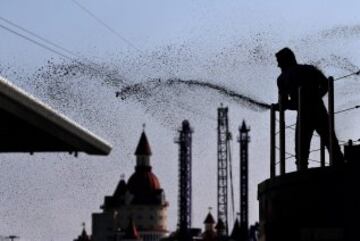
(303,148)
(322,128)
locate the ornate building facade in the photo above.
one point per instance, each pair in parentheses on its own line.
(141,200)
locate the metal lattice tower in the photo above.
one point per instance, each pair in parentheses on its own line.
(222,195)
(244,140)
(185,192)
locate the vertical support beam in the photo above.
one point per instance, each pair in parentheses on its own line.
(282,134)
(322,153)
(272,142)
(331,119)
(222,195)
(185,187)
(301,162)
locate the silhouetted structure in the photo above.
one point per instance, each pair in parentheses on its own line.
(29,125)
(83,236)
(254,232)
(351,152)
(244,140)
(140,199)
(222,147)
(12,237)
(301,88)
(317,204)
(236,233)
(185,191)
(131,232)
(209,233)
(221,230)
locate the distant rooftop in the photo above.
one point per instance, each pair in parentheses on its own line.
(29,125)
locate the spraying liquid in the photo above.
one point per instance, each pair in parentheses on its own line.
(147,88)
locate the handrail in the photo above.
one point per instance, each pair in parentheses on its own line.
(301,164)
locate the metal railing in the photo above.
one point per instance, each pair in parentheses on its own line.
(301,163)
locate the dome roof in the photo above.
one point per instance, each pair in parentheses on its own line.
(143,182)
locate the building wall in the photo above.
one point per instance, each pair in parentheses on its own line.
(151,222)
(146,218)
(152,236)
(102,226)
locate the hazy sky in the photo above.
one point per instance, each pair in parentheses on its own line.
(229,43)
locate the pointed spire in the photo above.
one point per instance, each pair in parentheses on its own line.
(121,188)
(143,148)
(243,127)
(83,236)
(220,226)
(209,218)
(235,234)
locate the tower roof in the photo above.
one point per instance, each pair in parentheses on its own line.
(235,234)
(143,148)
(83,236)
(121,188)
(209,219)
(220,226)
(243,127)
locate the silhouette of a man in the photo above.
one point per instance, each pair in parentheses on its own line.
(315,117)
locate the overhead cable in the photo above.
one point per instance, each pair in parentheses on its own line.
(108,27)
(38,36)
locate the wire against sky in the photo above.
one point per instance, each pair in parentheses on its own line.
(88,65)
(35,42)
(107,26)
(38,36)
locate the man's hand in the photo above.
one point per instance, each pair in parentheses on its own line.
(275,106)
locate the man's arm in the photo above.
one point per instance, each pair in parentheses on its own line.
(283,95)
(322,82)
(288,104)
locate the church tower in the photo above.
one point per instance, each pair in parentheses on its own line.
(140,199)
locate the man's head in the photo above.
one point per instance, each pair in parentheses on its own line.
(285,58)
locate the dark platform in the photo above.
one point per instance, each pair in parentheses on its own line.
(316,204)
